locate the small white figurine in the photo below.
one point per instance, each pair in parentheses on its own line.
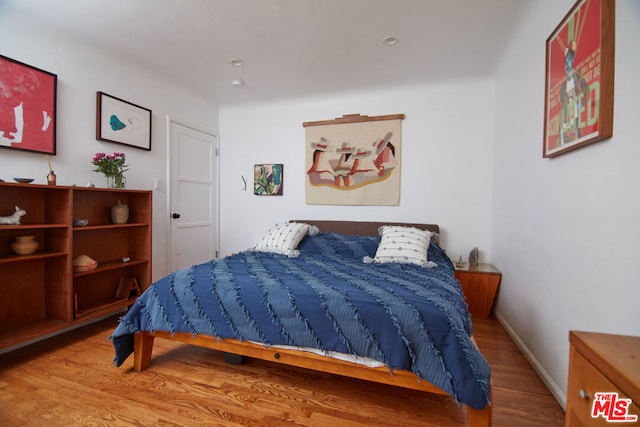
(14,218)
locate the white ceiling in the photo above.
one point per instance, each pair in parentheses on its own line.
(290,48)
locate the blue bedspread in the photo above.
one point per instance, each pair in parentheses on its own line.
(405,316)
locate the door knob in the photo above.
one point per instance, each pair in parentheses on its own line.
(175,215)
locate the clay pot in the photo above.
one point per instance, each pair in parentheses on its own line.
(24,245)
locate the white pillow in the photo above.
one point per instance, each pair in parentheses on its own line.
(405,245)
(283,239)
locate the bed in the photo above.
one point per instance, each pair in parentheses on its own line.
(332,303)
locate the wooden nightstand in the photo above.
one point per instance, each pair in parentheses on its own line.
(479,284)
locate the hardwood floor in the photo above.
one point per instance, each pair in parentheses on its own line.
(69,380)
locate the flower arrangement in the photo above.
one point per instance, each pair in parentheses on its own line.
(113,166)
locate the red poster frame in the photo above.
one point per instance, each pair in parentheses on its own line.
(579,76)
(27,107)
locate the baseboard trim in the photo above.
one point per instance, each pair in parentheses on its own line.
(556,391)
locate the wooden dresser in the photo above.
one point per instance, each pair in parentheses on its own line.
(603,363)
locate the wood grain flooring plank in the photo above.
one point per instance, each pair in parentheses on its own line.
(70,380)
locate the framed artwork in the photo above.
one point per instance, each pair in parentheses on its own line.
(579,78)
(27,107)
(354,160)
(122,122)
(268,179)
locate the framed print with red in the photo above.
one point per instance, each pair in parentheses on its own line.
(579,78)
(27,107)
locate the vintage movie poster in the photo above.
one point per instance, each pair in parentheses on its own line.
(574,79)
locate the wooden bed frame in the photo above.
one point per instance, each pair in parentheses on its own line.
(143,341)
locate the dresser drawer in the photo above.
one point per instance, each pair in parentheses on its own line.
(584,382)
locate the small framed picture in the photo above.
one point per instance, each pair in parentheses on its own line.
(27,107)
(122,122)
(268,179)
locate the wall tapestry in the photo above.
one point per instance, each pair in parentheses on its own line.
(354,160)
(27,107)
(268,179)
(579,78)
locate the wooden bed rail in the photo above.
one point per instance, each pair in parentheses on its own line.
(143,348)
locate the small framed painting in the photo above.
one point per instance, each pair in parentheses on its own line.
(268,179)
(27,107)
(579,78)
(122,122)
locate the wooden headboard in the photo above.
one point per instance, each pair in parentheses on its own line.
(361,228)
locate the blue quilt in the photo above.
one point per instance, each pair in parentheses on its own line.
(406,316)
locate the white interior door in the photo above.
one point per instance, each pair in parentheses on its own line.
(193,195)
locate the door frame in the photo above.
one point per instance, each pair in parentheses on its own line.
(216,187)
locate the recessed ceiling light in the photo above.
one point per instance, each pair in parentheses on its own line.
(236,62)
(237,82)
(390,40)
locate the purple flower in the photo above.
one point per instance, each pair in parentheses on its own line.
(110,164)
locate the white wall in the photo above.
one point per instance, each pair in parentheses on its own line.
(81,72)
(447,139)
(565,230)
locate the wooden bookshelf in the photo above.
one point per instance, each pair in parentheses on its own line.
(40,293)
